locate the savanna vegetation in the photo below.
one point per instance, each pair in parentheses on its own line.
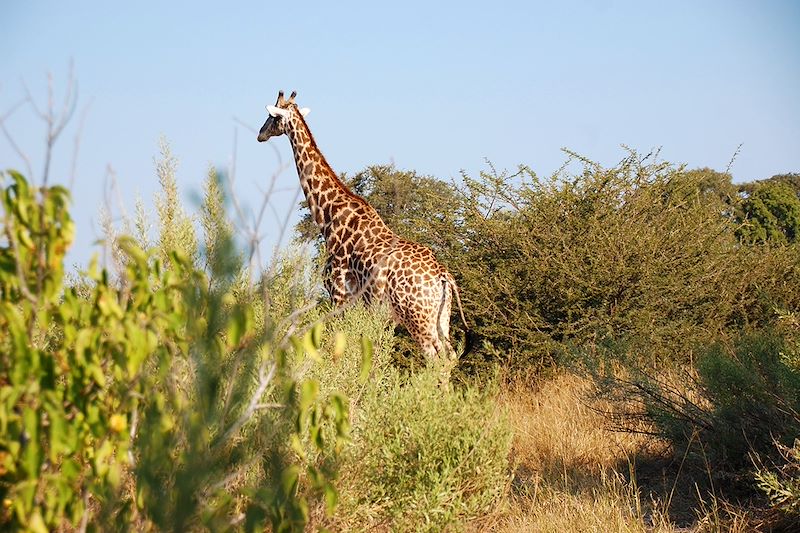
(665,298)
(636,363)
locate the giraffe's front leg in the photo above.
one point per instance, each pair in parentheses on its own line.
(339,281)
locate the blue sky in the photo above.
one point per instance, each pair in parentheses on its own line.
(435,87)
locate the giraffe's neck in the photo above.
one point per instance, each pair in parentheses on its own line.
(322,189)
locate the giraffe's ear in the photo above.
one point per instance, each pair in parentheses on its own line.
(276,111)
(305,111)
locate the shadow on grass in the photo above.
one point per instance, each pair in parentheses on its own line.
(695,495)
(653,492)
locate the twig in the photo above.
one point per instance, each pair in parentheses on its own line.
(250,229)
(85,518)
(56,124)
(265,378)
(245,125)
(11,140)
(272,405)
(77,144)
(733,158)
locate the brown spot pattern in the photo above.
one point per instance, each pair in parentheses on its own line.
(366,259)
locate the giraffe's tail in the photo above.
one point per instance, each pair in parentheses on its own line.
(469,337)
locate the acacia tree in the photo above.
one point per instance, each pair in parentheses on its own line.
(770,210)
(644,252)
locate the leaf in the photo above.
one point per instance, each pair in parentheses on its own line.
(26,490)
(308,393)
(315,431)
(316,477)
(316,334)
(128,245)
(114,475)
(25,239)
(289,478)
(299,351)
(310,346)
(96,372)
(366,359)
(101,466)
(70,469)
(139,346)
(331,498)
(297,446)
(83,340)
(94,270)
(237,326)
(32,455)
(338,405)
(339,345)
(59,442)
(36,522)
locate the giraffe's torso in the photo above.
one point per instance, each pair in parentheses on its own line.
(366,259)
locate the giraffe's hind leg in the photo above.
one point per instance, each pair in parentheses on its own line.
(439,355)
(428,322)
(443,321)
(418,325)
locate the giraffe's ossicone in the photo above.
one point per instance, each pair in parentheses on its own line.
(365,258)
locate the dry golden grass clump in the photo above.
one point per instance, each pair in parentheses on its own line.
(569,467)
(572,473)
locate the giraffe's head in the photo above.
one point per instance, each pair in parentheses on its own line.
(280,115)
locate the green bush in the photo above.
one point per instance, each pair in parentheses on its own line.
(644,251)
(770,210)
(639,251)
(154,401)
(781,481)
(755,397)
(355,361)
(424,458)
(350,336)
(733,405)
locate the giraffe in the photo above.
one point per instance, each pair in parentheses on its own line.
(365,258)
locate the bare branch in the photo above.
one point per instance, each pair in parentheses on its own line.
(56,124)
(84,523)
(11,140)
(265,375)
(77,144)
(733,158)
(32,102)
(11,110)
(246,126)
(285,222)
(250,229)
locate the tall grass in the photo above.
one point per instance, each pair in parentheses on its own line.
(425,458)
(568,466)
(572,473)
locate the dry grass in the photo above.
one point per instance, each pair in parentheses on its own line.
(572,474)
(568,467)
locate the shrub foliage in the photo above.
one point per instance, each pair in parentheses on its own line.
(425,458)
(154,402)
(644,252)
(185,391)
